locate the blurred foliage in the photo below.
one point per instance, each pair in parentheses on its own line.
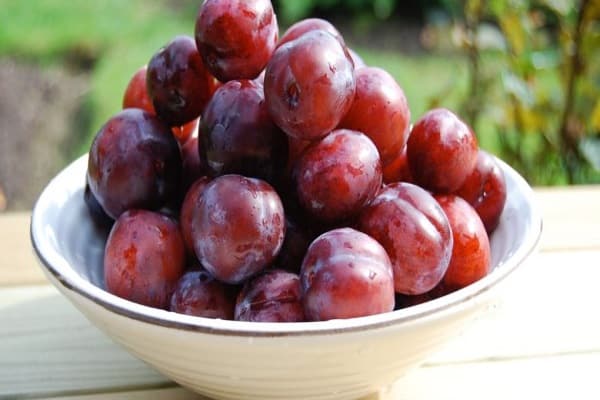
(375,11)
(108,39)
(524,73)
(111,39)
(534,82)
(291,11)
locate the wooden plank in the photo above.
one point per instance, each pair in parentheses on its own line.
(571,217)
(548,308)
(549,378)
(48,348)
(18,264)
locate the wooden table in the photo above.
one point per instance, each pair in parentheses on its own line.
(541,342)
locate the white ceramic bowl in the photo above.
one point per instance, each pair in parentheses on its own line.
(338,359)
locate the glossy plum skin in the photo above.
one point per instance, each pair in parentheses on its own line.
(188,207)
(144,258)
(273,296)
(236,38)
(309,85)
(178,82)
(192,163)
(100,218)
(260,79)
(136,96)
(356,59)
(198,293)
(442,151)
(471,252)
(185,132)
(306,25)
(414,231)
(485,190)
(297,239)
(134,162)
(403,300)
(238,227)
(346,274)
(295,149)
(380,111)
(397,170)
(238,135)
(338,175)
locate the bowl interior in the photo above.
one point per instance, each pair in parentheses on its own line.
(71,248)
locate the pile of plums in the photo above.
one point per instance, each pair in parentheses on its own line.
(259,178)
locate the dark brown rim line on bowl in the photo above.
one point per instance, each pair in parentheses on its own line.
(493,278)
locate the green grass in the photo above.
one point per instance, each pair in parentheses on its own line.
(123,35)
(49,28)
(120,36)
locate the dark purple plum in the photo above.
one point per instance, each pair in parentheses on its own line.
(188,208)
(485,190)
(178,83)
(380,111)
(238,135)
(134,162)
(192,163)
(415,232)
(100,218)
(471,253)
(346,274)
(144,258)
(273,296)
(338,175)
(441,151)
(236,37)
(306,25)
(238,227)
(198,293)
(310,85)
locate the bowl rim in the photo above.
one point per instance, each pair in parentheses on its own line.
(57,268)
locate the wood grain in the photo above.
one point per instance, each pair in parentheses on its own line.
(18,264)
(541,341)
(571,220)
(572,376)
(547,309)
(48,348)
(571,217)
(538,378)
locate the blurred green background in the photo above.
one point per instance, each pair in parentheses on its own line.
(524,74)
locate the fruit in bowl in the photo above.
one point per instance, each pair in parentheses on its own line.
(242,273)
(220,358)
